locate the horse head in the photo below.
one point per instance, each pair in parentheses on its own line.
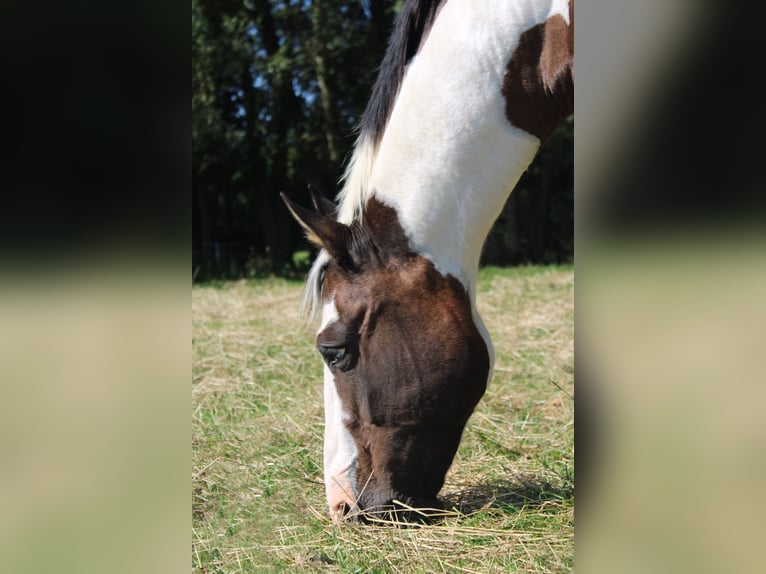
(404,362)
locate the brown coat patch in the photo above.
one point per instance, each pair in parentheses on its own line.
(539,80)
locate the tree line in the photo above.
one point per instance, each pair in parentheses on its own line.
(277,90)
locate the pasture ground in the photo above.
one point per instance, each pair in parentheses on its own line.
(257,418)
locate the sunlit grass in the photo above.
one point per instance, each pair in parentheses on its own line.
(258,496)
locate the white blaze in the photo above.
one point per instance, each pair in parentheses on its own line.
(340,454)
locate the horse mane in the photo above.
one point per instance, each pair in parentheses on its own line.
(411,27)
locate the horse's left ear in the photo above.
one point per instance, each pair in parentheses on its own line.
(321,203)
(321,228)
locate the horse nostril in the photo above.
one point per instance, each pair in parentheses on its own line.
(342,511)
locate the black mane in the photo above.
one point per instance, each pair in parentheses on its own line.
(410,28)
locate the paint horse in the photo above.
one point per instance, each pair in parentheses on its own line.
(466,93)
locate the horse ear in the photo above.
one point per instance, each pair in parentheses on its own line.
(321,229)
(321,203)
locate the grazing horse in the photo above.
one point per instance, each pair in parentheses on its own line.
(466,94)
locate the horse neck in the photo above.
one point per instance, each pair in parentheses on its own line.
(448,202)
(449,158)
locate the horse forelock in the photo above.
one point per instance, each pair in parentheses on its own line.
(311,305)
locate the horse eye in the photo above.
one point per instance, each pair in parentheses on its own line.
(332,354)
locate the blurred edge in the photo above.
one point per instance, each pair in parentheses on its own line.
(94,287)
(94,418)
(670,272)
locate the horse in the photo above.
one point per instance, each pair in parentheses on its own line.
(466,93)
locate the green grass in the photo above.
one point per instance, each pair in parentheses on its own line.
(258,498)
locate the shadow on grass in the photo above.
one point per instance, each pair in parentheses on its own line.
(504,496)
(507,495)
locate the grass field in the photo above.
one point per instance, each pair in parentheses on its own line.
(258,497)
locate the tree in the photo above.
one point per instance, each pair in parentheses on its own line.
(277,88)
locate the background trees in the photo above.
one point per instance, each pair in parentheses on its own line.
(277,88)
